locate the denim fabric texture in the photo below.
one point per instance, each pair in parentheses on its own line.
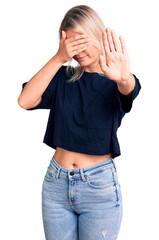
(81,204)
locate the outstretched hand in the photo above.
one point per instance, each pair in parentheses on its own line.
(116,64)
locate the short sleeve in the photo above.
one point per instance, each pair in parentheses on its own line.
(125,102)
(48,94)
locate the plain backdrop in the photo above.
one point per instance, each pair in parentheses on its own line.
(29,38)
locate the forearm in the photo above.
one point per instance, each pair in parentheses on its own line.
(35,87)
(127,87)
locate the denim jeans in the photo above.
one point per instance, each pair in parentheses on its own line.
(81,204)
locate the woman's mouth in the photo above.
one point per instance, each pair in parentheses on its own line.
(81,58)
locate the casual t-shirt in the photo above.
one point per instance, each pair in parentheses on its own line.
(85,115)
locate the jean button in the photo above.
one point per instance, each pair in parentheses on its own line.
(71,173)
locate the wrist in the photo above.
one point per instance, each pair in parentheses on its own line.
(58,59)
(127,87)
(126,81)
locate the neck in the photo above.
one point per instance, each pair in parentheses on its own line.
(93,69)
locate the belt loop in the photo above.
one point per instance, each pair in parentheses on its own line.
(68,173)
(82,175)
(57,174)
(113,160)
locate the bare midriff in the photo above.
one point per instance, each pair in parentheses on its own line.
(72,160)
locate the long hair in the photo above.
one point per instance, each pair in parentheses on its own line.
(83,18)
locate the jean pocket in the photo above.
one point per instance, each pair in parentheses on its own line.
(50,174)
(101,179)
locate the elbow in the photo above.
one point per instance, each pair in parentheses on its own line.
(21,103)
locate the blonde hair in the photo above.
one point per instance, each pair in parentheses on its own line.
(83,18)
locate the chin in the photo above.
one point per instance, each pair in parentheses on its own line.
(83,64)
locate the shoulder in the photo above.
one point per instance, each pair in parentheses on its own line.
(65,70)
(61,70)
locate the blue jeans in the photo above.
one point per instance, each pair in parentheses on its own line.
(81,204)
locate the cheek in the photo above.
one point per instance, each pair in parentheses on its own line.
(92,51)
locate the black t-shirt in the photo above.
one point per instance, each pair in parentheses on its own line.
(85,115)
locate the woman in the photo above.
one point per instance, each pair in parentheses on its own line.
(81,194)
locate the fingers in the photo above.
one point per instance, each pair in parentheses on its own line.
(78,43)
(123,45)
(102,63)
(73,45)
(79,48)
(105,41)
(111,42)
(116,41)
(82,44)
(76,37)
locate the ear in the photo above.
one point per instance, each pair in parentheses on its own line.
(63,36)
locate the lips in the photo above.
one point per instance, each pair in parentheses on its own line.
(81,58)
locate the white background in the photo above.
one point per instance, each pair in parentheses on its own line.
(29,38)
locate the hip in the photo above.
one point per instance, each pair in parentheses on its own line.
(90,196)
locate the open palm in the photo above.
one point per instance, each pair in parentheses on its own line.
(116,64)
